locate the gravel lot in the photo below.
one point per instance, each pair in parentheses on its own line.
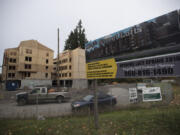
(9,108)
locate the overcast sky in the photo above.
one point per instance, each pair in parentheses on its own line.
(39,19)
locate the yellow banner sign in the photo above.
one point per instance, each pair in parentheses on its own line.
(101,69)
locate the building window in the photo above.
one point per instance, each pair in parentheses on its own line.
(28,51)
(54,68)
(28,58)
(65,75)
(47,67)
(27,74)
(11,75)
(47,54)
(46,75)
(64,60)
(69,67)
(27,66)
(69,74)
(63,67)
(12,60)
(12,67)
(47,61)
(69,59)
(58,62)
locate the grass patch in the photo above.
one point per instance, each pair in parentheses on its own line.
(154,121)
(176,92)
(176,89)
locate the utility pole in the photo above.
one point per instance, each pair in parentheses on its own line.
(57,69)
(6,63)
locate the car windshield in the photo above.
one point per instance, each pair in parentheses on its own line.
(88,98)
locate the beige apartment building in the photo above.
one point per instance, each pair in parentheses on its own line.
(30,64)
(70,69)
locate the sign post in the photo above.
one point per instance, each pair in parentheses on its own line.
(96,122)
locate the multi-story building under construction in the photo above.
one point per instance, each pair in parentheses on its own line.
(70,69)
(30,64)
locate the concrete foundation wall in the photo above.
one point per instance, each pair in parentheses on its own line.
(80,84)
(31,83)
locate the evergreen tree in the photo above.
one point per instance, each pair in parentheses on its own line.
(76,38)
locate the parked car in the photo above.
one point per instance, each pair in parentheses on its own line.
(88,101)
(41,94)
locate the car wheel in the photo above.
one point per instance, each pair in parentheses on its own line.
(21,102)
(60,99)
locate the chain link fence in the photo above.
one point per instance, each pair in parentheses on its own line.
(119,91)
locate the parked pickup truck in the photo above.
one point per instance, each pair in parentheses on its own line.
(41,94)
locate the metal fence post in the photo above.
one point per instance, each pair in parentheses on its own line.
(37,112)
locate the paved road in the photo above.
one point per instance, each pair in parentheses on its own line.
(11,110)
